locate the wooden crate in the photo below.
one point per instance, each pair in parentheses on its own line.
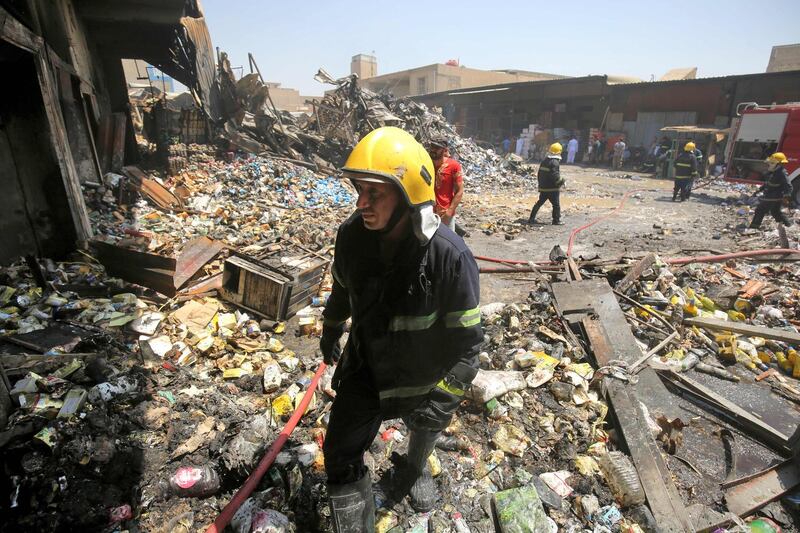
(277,293)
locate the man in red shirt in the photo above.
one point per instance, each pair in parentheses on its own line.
(449,184)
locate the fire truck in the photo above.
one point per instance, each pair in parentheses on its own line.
(761,130)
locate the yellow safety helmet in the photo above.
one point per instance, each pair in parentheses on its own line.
(777,157)
(555,148)
(391,155)
(689,147)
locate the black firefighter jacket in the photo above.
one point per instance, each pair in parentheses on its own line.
(685,166)
(549,175)
(416,323)
(777,185)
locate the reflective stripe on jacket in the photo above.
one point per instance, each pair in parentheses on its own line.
(413,320)
(685,166)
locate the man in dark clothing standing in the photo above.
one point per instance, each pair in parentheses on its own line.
(550,183)
(685,173)
(410,286)
(775,189)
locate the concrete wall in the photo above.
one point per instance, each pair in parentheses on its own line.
(287,99)
(581,103)
(440,77)
(783,58)
(364,66)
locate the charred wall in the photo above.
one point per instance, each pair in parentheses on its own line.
(36,215)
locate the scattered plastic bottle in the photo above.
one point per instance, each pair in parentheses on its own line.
(194,482)
(460,524)
(622,478)
(111,389)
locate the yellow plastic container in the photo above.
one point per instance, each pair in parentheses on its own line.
(783,363)
(743,306)
(736,316)
(707,303)
(691,309)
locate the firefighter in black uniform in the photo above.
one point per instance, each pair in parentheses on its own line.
(411,287)
(550,183)
(775,189)
(685,173)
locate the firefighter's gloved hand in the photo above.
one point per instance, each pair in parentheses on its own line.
(329,345)
(435,413)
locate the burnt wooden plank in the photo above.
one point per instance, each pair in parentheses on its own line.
(194,256)
(740,417)
(62,150)
(636,270)
(663,497)
(744,329)
(610,338)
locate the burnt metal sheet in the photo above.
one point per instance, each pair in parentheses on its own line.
(62,337)
(742,418)
(760,489)
(205,86)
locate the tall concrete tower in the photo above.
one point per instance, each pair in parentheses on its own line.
(364,65)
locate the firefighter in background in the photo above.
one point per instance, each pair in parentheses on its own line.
(685,173)
(550,184)
(410,286)
(775,189)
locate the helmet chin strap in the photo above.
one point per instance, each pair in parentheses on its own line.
(397,214)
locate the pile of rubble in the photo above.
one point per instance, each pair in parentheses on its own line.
(340,119)
(144,404)
(137,394)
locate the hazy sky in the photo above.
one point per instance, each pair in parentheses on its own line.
(290,40)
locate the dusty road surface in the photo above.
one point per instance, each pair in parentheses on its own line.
(648,221)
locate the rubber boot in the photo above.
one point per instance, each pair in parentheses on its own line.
(557,216)
(352,506)
(423,493)
(532,217)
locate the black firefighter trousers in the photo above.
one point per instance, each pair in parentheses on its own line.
(771,206)
(683,186)
(355,420)
(554,197)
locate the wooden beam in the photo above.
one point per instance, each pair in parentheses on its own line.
(662,495)
(14,32)
(62,150)
(790,337)
(749,422)
(636,270)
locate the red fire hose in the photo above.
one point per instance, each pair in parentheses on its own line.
(600,219)
(732,255)
(672,261)
(255,476)
(511,261)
